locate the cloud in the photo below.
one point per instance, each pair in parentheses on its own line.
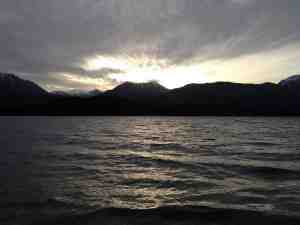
(42,38)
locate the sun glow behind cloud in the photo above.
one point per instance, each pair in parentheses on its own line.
(105,72)
(91,83)
(138,40)
(143,69)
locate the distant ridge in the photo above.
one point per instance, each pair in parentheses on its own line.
(21,97)
(77,93)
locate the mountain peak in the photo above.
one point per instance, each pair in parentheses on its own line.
(150,84)
(138,90)
(291,82)
(13,86)
(8,76)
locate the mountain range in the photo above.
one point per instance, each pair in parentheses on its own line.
(22,97)
(77,93)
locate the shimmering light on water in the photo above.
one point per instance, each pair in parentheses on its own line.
(145,162)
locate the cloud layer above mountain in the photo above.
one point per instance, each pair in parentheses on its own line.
(54,42)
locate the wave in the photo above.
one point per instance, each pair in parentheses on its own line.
(260,143)
(35,212)
(82,156)
(48,203)
(273,156)
(267,172)
(175,215)
(248,169)
(165,184)
(166,146)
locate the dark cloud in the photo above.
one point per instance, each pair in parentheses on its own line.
(43,39)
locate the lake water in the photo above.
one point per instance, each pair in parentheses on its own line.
(53,166)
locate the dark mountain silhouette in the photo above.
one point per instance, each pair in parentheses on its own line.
(61,93)
(292,82)
(13,86)
(15,93)
(220,98)
(231,99)
(138,90)
(77,93)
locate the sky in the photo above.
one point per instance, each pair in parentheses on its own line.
(88,44)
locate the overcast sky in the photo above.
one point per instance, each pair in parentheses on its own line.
(86,44)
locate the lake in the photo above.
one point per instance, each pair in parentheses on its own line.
(51,166)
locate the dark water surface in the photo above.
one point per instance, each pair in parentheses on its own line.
(53,166)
